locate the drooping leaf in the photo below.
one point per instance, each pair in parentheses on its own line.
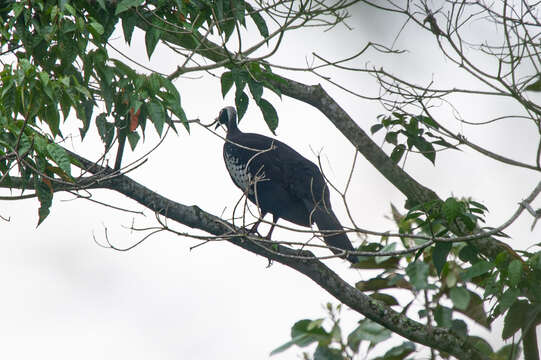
(269,114)
(45,197)
(152,36)
(128,24)
(259,22)
(256,89)
(439,255)
(157,114)
(426,149)
(241,102)
(515,271)
(133,139)
(238,10)
(227,82)
(106,130)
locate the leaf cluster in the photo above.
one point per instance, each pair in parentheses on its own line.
(406,132)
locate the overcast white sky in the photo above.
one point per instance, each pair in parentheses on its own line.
(64,297)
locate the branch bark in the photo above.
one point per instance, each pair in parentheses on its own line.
(194,217)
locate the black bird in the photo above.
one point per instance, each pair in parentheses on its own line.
(280,181)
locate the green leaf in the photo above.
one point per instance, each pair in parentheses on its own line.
(152,36)
(459,327)
(259,22)
(480,344)
(515,318)
(128,24)
(367,330)
(418,274)
(392,137)
(60,157)
(256,89)
(397,153)
(126,5)
(45,197)
(451,209)
(106,130)
(154,83)
(157,115)
(384,298)
(515,272)
(387,248)
(460,297)
(303,333)
(428,121)
(536,86)
(269,114)
(312,329)
(426,148)
(508,298)
(227,82)
(375,128)
(133,139)
(398,352)
(508,352)
(443,316)
(469,254)
(96,28)
(241,102)
(44,79)
(477,269)
(327,353)
(238,10)
(439,255)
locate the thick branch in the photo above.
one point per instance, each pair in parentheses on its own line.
(194,217)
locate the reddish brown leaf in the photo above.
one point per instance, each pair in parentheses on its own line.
(134,119)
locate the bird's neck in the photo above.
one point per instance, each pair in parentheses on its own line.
(232,128)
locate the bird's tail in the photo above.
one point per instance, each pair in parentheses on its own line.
(327,223)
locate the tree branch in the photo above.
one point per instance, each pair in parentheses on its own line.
(194,217)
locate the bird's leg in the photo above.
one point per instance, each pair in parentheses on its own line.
(274,220)
(253,229)
(268,237)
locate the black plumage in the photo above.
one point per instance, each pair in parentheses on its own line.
(280,181)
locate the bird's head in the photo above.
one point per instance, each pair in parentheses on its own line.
(228,117)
